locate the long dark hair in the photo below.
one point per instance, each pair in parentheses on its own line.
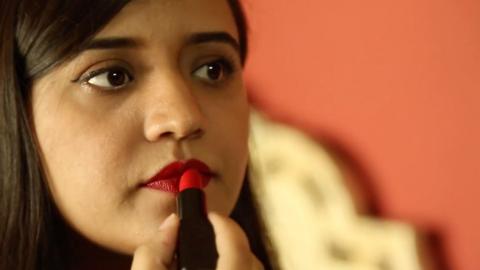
(36,36)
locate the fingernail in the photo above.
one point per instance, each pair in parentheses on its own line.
(168,221)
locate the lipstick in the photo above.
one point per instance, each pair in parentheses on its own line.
(168,178)
(196,248)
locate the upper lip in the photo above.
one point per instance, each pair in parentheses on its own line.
(175,169)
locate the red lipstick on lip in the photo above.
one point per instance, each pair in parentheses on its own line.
(168,178)
(196,247)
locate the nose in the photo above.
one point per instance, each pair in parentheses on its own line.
(173,111)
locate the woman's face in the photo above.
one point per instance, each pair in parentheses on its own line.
(159,84)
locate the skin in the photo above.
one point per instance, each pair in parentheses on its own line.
(99,142)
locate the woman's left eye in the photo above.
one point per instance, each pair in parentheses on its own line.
(109,78)
(214,72)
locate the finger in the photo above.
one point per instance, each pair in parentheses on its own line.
(256,264)
(158,253)
(232,244)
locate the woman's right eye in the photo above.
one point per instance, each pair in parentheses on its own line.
(110,78)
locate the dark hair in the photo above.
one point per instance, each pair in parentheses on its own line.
(35,37)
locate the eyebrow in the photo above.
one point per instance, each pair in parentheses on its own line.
(194,39)
(111,43)
(221,37)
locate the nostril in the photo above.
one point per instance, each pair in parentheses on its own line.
(177,127)
(198,133)
(167,134)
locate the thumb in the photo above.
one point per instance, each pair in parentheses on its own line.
(158,253)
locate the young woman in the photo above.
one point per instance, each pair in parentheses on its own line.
(97,99)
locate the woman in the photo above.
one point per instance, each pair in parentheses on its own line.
(97,98)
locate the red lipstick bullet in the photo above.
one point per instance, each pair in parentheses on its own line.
(196,248)
(168,178)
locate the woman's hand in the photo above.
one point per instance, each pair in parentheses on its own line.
(158,253)
(232,246)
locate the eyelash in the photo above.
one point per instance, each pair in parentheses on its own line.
(92,74)
(228,69)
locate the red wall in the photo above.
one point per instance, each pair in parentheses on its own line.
(398,84)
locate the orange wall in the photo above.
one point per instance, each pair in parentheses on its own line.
(398,84)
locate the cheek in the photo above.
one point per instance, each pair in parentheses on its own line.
(77,148)
(82,158)
(229,121)
(229,127)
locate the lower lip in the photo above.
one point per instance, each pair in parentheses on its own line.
(167,185)
(170,185)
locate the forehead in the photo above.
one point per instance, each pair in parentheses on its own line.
(167,19)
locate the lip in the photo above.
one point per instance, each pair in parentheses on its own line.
(168,178)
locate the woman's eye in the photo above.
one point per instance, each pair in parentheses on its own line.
(214,71)
(109,78)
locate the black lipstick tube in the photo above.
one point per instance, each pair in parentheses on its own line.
(196,249)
